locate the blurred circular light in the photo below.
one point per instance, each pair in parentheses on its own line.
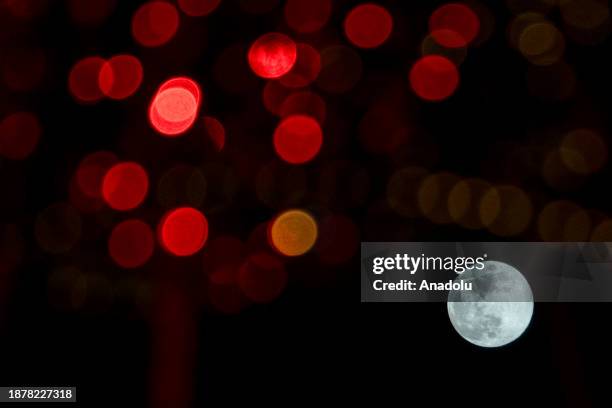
(304,103)
(183,231)
(19,135)
(216,132)
(175,106)
(307,16)
(433,194)
(83,79)
(125,186)
(91,171)
(454,25)
(293,232)
(464,200)
(131,243)
(583,151)
(198,8)
(298,139)
(306,68)
(434,78)
(262,278)
(564,221)
(120,76)
(155,23)
(368,25)
(272,55)
(541,43)
(506,210)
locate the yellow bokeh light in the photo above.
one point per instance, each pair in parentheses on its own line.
(293,232)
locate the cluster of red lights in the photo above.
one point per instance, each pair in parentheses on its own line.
(289,68)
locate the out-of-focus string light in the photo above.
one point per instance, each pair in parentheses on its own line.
(262,278)
(541,43)
(433,196)
(434,78)
(91,171)
(19,135)
(306,68)
(272,55)
(298,139)
(293,233)
(175,106)
(454,25)
(198,8)
(125,186)
(120,76)
(506,211)
(584,151)
(131,243)
(464,200)
(304,103)
(83,80)
(564,221)
(183,231)
(368,25)
(155,23)
(307,16)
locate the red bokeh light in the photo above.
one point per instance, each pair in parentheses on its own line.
(434,78)
(91,172)
(262,278)
(125,186)
(83,79)
(307,16)
(215,131)
(120,76)
(198,8)
(273,96)
(155,23)
(305,103)
(19,135)
(272,55)
(298,139)
(175,106)
(368,25)
(306,69)
(454,25)
(131,243)
(183,231)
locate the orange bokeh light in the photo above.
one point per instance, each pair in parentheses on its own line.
(293,232)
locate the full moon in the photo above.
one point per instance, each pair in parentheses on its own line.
(497,310)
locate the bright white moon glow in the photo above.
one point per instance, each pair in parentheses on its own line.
(497,310)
